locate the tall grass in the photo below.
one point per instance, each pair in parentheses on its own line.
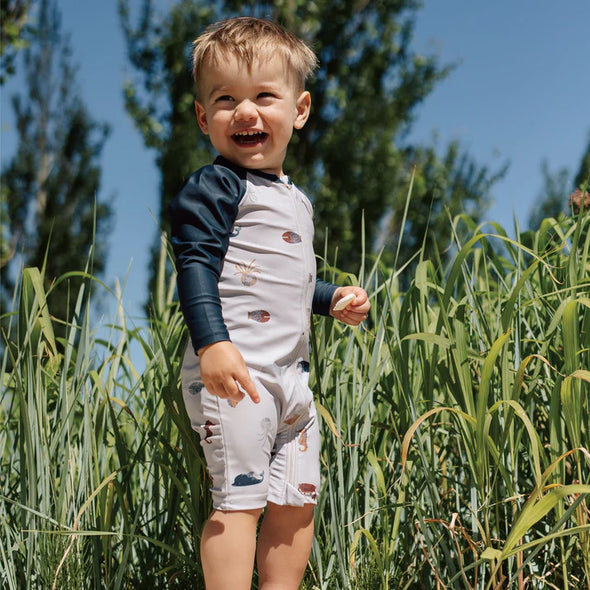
(455,453)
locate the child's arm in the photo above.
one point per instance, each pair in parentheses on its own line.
(202,216)
(356,311)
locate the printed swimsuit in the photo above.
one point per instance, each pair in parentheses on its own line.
(243,242)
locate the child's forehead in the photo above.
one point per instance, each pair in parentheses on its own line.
(275,66)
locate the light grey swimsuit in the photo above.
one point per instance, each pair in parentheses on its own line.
(267,284)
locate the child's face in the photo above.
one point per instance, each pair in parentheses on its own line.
(250,115)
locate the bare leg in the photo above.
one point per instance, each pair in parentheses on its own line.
(284,544)
(228,546)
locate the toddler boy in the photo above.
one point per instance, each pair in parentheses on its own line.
(242,235)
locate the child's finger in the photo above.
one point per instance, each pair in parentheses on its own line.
(246,384)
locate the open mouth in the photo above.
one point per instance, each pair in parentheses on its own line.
(248,138)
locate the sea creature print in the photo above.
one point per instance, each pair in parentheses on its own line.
(291,237)
(235,231)
(232,402)
(195,388)
(292,419)
(248,479)
(302,440)
(208,431)
(308,489)
(247,273)
(303,367)
(265,429)
(260,315)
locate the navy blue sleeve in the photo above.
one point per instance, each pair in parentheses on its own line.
(202,216)
(322,297)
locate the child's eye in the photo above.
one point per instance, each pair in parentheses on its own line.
(224,98)
(263,95)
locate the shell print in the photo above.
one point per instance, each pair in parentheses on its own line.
(291,237)
(259,315)
(247,273)
(248,479)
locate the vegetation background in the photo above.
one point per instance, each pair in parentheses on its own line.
(455,424)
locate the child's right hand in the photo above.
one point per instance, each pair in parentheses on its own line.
(223,372)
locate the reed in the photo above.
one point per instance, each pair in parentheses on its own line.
(455,452)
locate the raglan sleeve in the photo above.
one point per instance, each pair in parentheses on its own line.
(202,216)
(322,297)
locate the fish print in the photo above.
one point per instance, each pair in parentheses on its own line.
(248,479)
(291,237)
(308,489)
(260,315)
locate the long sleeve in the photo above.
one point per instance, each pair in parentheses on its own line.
(202,216)
(322,297)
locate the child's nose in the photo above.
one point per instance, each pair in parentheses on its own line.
(245,111)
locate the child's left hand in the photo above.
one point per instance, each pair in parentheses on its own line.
(356,311)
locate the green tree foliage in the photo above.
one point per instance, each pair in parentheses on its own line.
(349,156)
(14,16)
(51,215)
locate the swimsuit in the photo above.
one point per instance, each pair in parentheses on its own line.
(243,241)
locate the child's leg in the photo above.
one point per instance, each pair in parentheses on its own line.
(284,544)
(228,546)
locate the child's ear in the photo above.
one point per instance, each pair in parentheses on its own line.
(303,106)
(201,117)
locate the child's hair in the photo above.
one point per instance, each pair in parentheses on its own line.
(248,39)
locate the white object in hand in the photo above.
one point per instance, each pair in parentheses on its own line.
(342,303)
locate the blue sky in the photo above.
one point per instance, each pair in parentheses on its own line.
(520,93)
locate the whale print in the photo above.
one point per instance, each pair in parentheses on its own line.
(291,237)
(248,479)
(260,315)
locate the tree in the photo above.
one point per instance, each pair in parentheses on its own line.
(52,216)
(14,17)
(349,156)
(553,199)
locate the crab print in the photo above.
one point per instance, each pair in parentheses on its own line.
(247,271)
(308,489)
(291,237)
(260,315)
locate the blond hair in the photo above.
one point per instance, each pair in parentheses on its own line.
(250,39)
